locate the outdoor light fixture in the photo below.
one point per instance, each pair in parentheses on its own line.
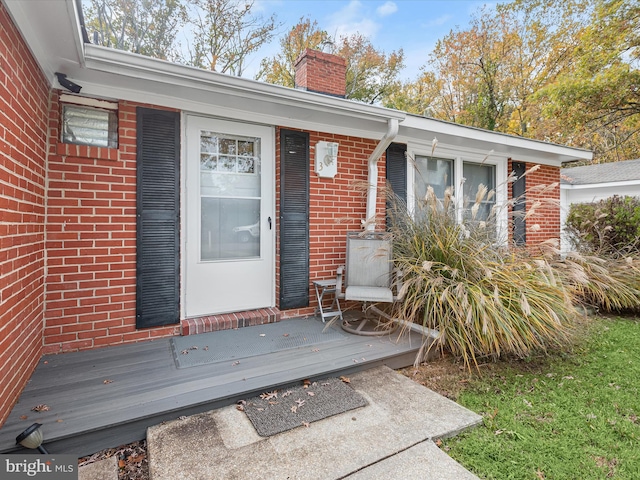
(32,438)
(327,159)
(68,84)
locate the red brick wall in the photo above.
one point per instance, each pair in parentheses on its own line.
(91,241)
(337,206)
(321,72)
(24,97)
(543,196)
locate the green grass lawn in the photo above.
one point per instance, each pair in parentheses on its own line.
(569,416)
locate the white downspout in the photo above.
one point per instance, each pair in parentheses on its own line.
(372,178)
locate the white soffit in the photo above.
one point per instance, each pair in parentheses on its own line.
(52,32)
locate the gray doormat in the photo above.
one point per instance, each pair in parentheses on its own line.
(281,410)
(230,345)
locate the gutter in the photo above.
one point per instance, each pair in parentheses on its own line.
(372,177)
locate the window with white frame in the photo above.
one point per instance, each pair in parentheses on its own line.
(464,175)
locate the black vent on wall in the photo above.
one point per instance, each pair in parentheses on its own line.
(158,218)
(518,189)
(294,219)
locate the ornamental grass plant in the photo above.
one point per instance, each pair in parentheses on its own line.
(485,298)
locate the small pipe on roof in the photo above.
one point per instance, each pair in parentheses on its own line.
(372,178)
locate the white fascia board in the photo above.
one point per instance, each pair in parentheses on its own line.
(518,148)
(625,183)
(179,77)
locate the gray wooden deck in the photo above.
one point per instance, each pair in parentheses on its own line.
(107,397)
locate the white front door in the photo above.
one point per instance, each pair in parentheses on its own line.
(229,217)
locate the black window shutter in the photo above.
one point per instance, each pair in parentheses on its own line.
(294,219)
(396,168)
(158,218)
(518,190)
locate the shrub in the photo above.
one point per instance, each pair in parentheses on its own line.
(610,226)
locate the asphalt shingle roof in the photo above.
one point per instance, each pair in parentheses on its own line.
(602,173)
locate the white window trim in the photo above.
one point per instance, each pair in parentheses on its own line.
(459,156)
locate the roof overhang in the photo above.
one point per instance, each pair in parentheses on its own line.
(52,31)
(585,186)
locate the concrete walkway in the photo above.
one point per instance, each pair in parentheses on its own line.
(389,438)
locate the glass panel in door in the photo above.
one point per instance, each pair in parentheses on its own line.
(230,197)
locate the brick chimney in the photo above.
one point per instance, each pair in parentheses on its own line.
(321,73)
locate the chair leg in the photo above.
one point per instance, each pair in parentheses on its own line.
(370,326)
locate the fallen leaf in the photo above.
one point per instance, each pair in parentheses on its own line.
(305,424)
(59,420)
(23,417)
(311,394)
(240,407)
(355,361)
(107,381)
(345,379)
(260,409)
(285,335)
(294,408)
(205,348)
(237,362)
(269,395)
(194,348)
(40,408)
(315,350)
(184,352)
(325,384)
(300,402)
(121,463)
(306,382)
(136,459)
(438,442)
(263,334)
(46,362)
(540,474)
(287,393)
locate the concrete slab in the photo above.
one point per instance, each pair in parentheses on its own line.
(401,414)
(422,461)
(106,469)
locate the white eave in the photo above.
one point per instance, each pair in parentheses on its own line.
(585,186)
(484,141)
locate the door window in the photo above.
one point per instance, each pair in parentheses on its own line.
(230,197)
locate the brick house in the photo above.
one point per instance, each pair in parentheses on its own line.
(164,200)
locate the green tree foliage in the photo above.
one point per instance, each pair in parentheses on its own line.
(565,72)
(372,75)
(148,27)
(279,69)
(599,97)
(220,34)
(610,226)
(225,33)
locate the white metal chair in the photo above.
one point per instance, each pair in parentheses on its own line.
(369,278)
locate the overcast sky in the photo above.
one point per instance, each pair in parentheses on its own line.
(413,25)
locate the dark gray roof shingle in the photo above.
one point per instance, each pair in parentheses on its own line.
(602,173)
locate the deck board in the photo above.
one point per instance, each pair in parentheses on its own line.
(146,388)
